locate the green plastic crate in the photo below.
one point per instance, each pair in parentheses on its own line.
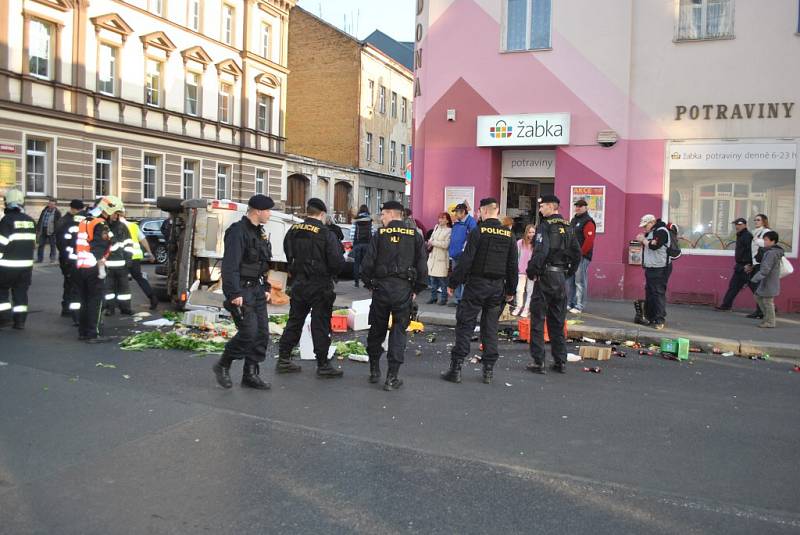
(668,345)
(683,348)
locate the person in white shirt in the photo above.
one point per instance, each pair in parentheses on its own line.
(762,227)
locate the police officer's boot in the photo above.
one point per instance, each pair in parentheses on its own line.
(488,373)
(19,323)
(325,370)
(454,373)
(251,379)
(392,382)
(285,365)
(640,317)
(153,302)
(222,369)
(374,371)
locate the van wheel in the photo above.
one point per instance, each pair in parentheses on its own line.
(161,253)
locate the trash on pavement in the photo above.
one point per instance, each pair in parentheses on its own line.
(431,338)
(574,322)
(595,353)
(572,357)
(797,369)
(351,349)
(415,327)
(716,350)
(475,359)
(358,358)
(161,322)
(646,352)
(594,369)
(275,329)
(589,340)
(728,354)
(104,365)
(142,315)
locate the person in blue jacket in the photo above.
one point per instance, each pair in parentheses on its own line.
(462,226)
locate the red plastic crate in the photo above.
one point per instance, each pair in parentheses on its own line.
(524,328)
(339,324)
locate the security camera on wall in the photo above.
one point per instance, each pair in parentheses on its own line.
(606,138)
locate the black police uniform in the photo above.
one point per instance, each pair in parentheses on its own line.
(247,255)
(488,269)
(315,258)
(17,242)
(394,268)
(556,257)
(118,288)
(67,226)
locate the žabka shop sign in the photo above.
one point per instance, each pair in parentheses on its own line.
(523,130)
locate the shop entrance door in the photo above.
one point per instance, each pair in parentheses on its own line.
(518,196)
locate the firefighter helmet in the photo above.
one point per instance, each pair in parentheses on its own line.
(14,197)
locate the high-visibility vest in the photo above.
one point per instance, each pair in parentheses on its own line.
(133,230)
(85,259)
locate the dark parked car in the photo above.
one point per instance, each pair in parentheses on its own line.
(151,229)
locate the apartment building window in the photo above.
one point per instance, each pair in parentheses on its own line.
(381,144)
(704,19)
(404,109)
(266,38)
(264,113)
(152,82)
(378,199)
(36,167)
(156,7)
(400,197)
(149,177)
(394,105)
(393,155)
(403,157)
(261,181)
(382,99)
(225,103)
(223,180)
(369,147)
(103,166)
(527,24)
(106,69)
(194,15)
(190,172)
(40,49)
(371,85)
(192,93)
(227,24)
(368,197)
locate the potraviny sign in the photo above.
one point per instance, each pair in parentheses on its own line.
(733,156)
(523,130)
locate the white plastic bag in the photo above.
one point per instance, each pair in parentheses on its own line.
(786,267)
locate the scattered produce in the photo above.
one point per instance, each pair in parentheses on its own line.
(353,347)
(172,340)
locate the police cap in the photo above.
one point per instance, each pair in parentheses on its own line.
(317,204)
(580,202)
(739,221)
(260,202)
(487,201)
(392,205)
(76,204)
(549,198)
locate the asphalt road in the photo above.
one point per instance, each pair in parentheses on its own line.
(646,446)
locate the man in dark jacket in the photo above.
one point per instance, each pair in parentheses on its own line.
(585,228)
(743,258)
(362,233)
(46,230)
(67,227)
(462,226)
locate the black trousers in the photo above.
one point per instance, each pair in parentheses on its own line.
(391,296)
(44,239)
(739,280)
(316,296)
(91,290)
(14,283)
(754,286)
(484,296)
(252,338)
(66,266)
(118,289)
(136,273)
(655,293)
(549,303)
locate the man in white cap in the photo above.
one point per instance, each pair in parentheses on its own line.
(655,240)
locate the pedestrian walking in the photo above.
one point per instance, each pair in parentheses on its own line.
(46,230)
(585,228)
(395,271)
(246,289)
(462,226)
(743,263)
(118,288)
(92,246)
(524,284)
(138,243)
(17,241)
(768,278)
(655,240)
(315,258)
(761,222)
(362,234)
(67,227)
(438,259)
(556,257)
(488,270)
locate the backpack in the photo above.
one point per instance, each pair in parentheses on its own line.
(674,246)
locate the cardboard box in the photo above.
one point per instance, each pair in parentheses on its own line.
(595,353)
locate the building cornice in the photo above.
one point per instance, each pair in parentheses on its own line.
(113,23)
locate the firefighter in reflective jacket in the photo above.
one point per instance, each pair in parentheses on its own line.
(556,257)
(315,257)
(118,289)
(488,269)
(92,245)
(244,266)
(17,241)
(65,230)
(395,269)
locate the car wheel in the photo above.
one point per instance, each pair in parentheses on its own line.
(161,253)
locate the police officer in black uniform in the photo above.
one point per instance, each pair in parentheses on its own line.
(315,257)
(395,270)
(556,257)
(488,270)
(247,255)
(66,228)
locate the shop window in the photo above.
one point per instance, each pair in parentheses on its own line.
(40,49)
(704,19)
(36,166)
(527,24)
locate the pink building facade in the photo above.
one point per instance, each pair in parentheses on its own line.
(683,109)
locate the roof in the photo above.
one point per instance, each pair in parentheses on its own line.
(402,52)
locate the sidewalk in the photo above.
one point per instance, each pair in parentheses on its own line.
(613,320)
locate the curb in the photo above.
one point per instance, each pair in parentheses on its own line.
(649,336)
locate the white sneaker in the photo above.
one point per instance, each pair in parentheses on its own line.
(516,311)
(524,313)
(574,311)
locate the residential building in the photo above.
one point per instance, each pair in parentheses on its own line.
(141,98)
(349,103)
(685,109)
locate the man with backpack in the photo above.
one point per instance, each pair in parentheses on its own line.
(659,249)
